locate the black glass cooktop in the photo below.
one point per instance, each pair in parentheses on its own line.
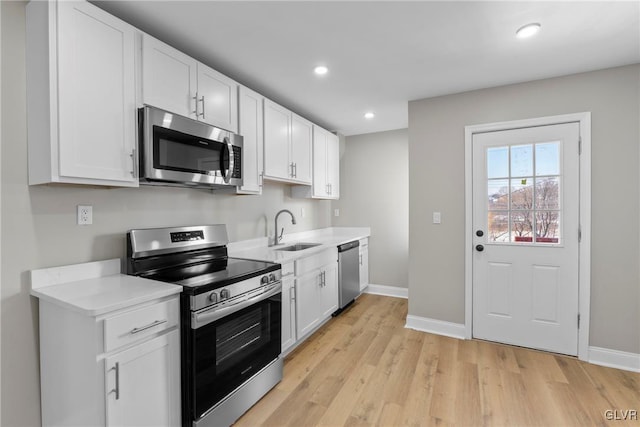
(203,277)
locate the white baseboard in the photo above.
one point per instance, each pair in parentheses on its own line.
(438,327)
(614,359)
(389,291)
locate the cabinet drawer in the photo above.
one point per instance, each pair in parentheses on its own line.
(287,268)
(135,325)
(318,260)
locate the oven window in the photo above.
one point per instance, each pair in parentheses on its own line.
(229,351)
(175,150)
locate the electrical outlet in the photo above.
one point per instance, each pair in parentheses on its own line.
(302,213)
(437,218)
(85,215)
(336,212)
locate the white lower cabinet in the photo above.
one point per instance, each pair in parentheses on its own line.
(117,369)
(142,384)
(316,287)
(364,263)
(288,309)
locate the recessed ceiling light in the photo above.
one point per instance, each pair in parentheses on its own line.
(369,115)
(321,70)
(528,30)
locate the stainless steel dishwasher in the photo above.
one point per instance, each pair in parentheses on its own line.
(348,274)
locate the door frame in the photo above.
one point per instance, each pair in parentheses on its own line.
(584,245)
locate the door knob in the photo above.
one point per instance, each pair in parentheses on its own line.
(479,248)
(479,233)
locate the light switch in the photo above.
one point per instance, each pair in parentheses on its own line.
(436,218)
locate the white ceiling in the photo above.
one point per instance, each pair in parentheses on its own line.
(383,54)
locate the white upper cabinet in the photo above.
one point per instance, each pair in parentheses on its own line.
(178,83)
(301,143)
(169,78)
(250,119)
(217,99)
(81,110)
(326,167)
(287,145)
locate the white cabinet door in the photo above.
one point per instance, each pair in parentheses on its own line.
(143,384)
(288,313)
(364,263)
(320,183)
(217,99)
(277,136)
(169,78)
(333,165)
(96,94)
(307,299)
(329,291)
(301,142)
(251,128)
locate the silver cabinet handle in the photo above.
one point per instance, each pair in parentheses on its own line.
(202,100)
(133,162)
(295,170)
(117,389)
(195,98)
(291,172)
(149,326)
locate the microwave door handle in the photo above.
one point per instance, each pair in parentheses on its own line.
(226,173)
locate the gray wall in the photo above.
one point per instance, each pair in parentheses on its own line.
(374,192)
(38,226)
(436,176)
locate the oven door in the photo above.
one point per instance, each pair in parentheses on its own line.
(232,346)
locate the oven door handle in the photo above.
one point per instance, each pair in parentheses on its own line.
(211,315)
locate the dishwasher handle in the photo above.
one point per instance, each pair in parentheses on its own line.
(347,246)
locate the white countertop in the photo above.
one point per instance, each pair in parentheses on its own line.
(258,249)
(96,288)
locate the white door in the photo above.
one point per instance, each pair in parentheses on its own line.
(96,94)
(320,182)
(143,384)
(250,127)
(526,227)
(277,135)
(301,142)
(169,78)
(217,99)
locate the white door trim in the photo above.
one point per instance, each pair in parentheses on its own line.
(584,267)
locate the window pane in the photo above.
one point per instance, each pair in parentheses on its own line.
(498,162)
(522,193)
(522,160)
(547,226)
(547,193)
(548,158)
(498,194)
(498,227)
(522,226)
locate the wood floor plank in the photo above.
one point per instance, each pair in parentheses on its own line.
(364,368)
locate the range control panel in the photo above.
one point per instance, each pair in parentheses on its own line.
(187,236)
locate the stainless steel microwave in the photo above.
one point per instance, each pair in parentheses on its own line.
(178,151)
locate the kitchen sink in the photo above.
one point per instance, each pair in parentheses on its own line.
(298,247)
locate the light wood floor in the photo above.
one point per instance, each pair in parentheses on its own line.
(364,368)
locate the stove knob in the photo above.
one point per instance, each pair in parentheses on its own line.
(213,297)
(264,280)
(272,277)
(224,294)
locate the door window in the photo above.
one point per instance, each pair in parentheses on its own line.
(524,193)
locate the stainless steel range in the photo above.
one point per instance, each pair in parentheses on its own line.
(230,314)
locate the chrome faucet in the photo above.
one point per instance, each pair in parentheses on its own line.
(276,238)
